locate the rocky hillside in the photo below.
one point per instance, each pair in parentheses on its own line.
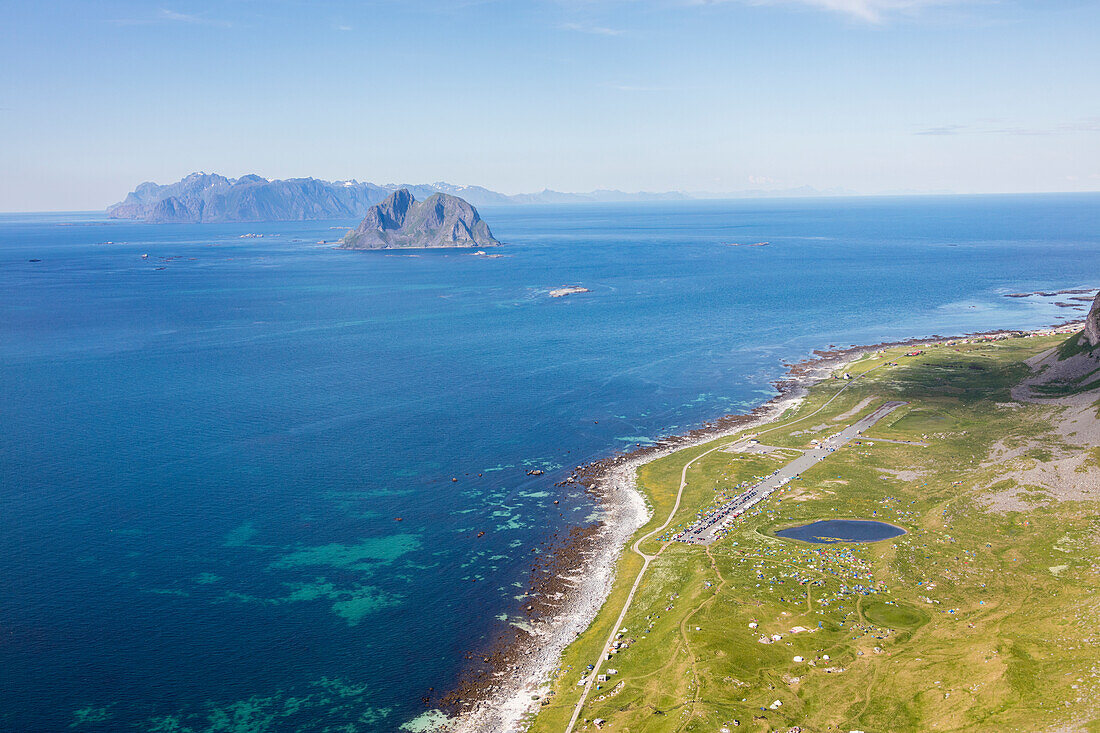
(403,222)
(1072,368)
(1091,334)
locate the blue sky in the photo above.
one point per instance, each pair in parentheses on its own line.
(870,96)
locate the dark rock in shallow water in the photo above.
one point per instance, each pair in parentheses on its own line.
(403,222)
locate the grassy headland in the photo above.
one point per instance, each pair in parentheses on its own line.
(983,617)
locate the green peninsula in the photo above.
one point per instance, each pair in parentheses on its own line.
(984,616)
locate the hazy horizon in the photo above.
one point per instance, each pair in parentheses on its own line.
(731,196)
(871,97)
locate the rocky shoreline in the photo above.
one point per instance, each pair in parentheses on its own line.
(505,684)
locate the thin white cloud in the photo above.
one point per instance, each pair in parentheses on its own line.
(167,15)
(596,30)
(870,11)
(942,130)
(636,88)
(1088,124)
(344,28)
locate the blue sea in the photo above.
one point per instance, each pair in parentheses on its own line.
(204,453)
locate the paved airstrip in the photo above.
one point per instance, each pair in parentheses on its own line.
(708,528)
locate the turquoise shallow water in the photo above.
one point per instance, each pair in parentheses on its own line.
(201,466)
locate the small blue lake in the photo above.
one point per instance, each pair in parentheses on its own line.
(830,531)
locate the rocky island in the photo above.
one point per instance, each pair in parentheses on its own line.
(402,222)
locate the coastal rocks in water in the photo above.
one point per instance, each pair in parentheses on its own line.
(1052,293)
(402,222)
(562,292)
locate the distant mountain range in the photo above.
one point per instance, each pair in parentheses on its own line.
(209,197)
(441,220)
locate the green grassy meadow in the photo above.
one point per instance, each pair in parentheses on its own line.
(975,620)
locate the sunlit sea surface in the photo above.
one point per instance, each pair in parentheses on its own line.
(203,453)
